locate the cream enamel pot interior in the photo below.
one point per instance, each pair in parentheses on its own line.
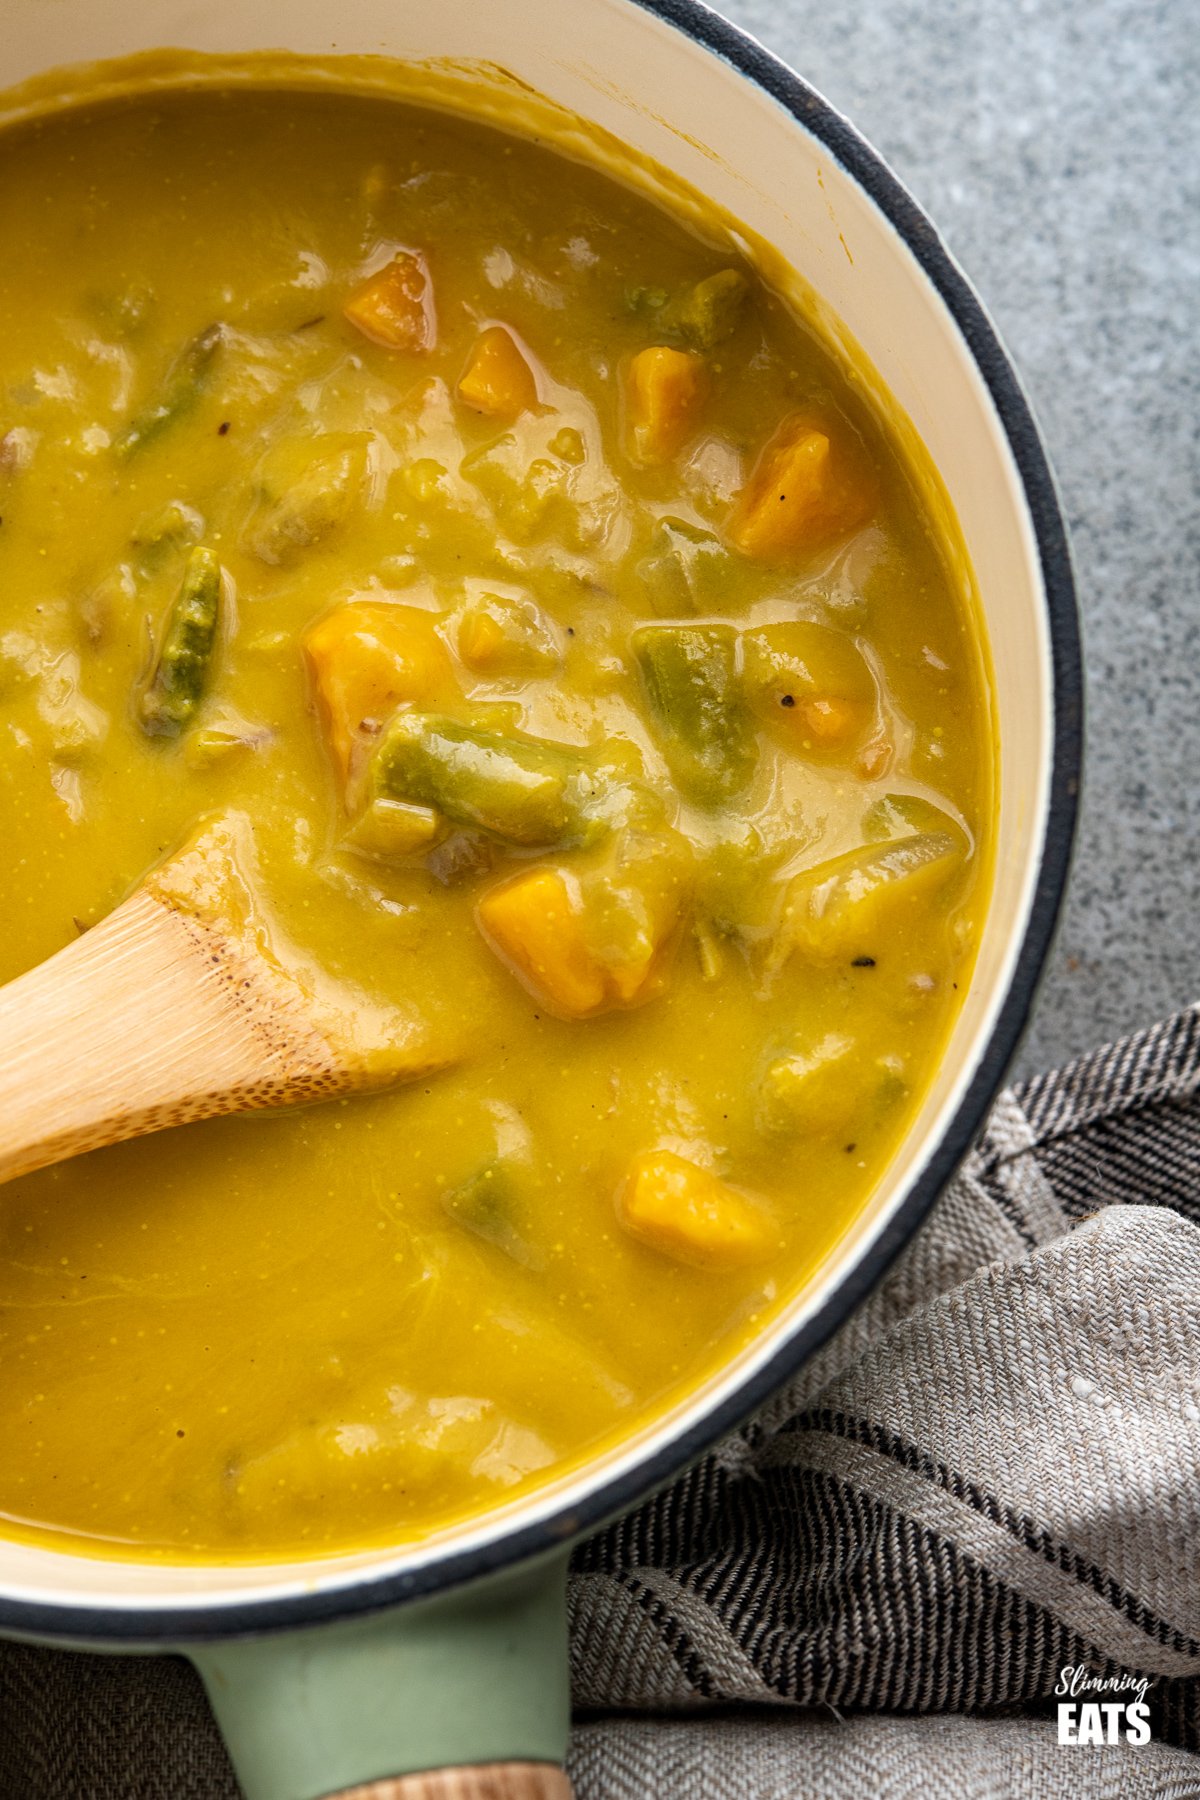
(686,91)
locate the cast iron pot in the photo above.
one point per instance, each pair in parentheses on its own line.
(452,1655)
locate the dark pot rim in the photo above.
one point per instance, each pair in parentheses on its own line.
(152,1626)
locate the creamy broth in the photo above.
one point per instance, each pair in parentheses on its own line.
(571,648)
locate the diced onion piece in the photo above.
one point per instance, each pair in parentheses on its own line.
(811,1088)
(854,904)
(309,489)
(811,684)
(387,829)
(500,635)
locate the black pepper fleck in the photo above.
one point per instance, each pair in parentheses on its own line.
(863,962)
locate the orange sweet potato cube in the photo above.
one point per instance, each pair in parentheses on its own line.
(665,391)
(535,927)
(497,379)
(368,657)
(684,1211)
(394,307)
(809,486)
(573,945)
(831,720)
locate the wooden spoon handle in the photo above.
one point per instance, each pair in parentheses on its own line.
(484,1781)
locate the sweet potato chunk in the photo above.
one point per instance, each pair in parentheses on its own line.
(367,657)
(394,307)
(584,944)
(685,1212)
(497,379)
(631,898)
(810,485)
(665,391)
(532,922)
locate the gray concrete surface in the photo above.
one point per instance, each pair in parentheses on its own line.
(1056,144)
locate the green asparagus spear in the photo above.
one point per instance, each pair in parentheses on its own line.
(487,1204)
(690,673)
(175,688)
(521,789)
(185,380)
(700,318)
(164,532)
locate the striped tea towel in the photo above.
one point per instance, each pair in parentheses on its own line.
(969,1526)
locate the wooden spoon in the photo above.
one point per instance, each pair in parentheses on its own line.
(184,1003)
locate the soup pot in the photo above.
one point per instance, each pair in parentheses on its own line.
(451,1653)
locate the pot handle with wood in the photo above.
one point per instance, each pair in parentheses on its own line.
(464,1696)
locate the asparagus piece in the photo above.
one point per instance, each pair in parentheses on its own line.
(690,674)
(709,312)
(487,1204)
(176,687)
(184,383)
(165,532)
(524,790)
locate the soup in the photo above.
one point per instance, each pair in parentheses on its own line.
(536,604)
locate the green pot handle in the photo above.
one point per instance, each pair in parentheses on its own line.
(473,1683)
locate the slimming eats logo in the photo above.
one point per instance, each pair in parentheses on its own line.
(1115,1707)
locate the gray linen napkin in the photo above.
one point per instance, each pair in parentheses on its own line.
(991,1475)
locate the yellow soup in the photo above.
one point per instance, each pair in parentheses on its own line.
(566,647)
